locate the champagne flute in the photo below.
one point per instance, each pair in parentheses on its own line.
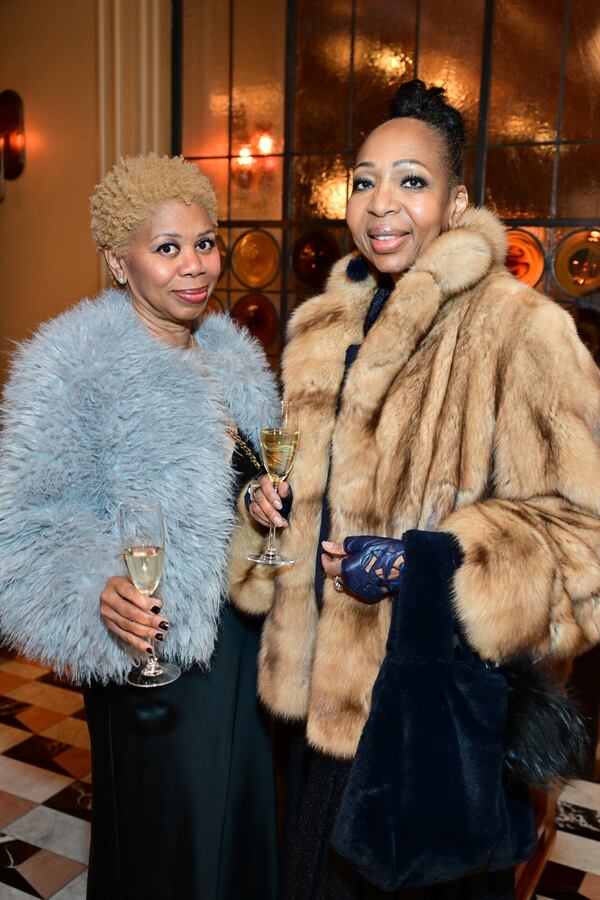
(142,531)
(278,444)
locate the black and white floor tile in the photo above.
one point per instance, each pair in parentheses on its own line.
(573,871)
(45,790)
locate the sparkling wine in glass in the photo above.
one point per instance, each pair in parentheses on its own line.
(278,444)
(142,532)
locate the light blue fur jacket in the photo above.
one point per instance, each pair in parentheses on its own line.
(96,411)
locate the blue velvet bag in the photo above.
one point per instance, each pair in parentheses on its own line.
(426,801)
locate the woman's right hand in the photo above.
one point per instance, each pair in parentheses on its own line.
(132,616)
(266,503)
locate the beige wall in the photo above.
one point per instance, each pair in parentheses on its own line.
(47,259)
(95,80)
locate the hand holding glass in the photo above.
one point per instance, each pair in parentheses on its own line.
(142,532)
(278,444)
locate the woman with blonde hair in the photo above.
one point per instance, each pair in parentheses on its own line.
(134,395)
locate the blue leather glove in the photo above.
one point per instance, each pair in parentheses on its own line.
(368,556)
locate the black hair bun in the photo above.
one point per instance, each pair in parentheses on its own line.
(414,99)
(416,95)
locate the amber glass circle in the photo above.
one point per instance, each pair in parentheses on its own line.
(259,315)
(525,257)
(255,258)
(214,305)
(577,262)
(313,256)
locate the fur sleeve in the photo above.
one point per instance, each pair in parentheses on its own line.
(56,546)
(253,595)
(530,580)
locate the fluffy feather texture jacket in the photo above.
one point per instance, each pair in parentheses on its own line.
(472,408)
(96,411)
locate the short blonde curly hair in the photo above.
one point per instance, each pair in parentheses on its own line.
(127,196)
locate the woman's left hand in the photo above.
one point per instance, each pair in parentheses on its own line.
(265,503)
(331,560)
(368,567)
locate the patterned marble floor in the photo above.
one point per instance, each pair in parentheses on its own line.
(45,792)
(574,868)
(45,798)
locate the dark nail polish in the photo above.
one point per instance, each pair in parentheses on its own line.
(155,610)
(159,636)
(164,625)
(149,650)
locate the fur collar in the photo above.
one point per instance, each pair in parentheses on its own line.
(463,256)
(456,261)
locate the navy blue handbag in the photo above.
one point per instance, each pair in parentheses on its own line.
(426,801)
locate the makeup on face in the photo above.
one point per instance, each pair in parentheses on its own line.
(401,196)
(172,266)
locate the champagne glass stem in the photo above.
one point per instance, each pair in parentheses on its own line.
(271,549)
(152,666)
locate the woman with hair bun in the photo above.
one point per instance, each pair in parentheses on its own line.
(133,395)
(442,404)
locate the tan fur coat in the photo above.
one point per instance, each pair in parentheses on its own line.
(472,407)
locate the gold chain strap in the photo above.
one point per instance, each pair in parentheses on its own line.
(241,443)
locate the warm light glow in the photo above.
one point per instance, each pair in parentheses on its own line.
(523,121)
(16,140)
(12,146)
(594,236)
(391,63)
(592,50)
(377,59)
(245,159)
(329,192)
(265,144)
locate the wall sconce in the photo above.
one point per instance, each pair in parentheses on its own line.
(244,166)
(255,156)
(265,143)
(12,137)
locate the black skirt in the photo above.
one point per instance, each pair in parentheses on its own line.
(183,786)
(311,868)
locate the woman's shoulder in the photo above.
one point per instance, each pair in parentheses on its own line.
(228,345)
(220,328)
(68,347)
(528,324)
(517,303)
(81,324)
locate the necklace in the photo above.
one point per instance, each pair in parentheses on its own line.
(244,447)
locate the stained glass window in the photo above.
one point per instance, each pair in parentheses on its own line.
(276,98)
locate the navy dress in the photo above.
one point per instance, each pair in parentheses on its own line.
(315,785)
(183,803)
